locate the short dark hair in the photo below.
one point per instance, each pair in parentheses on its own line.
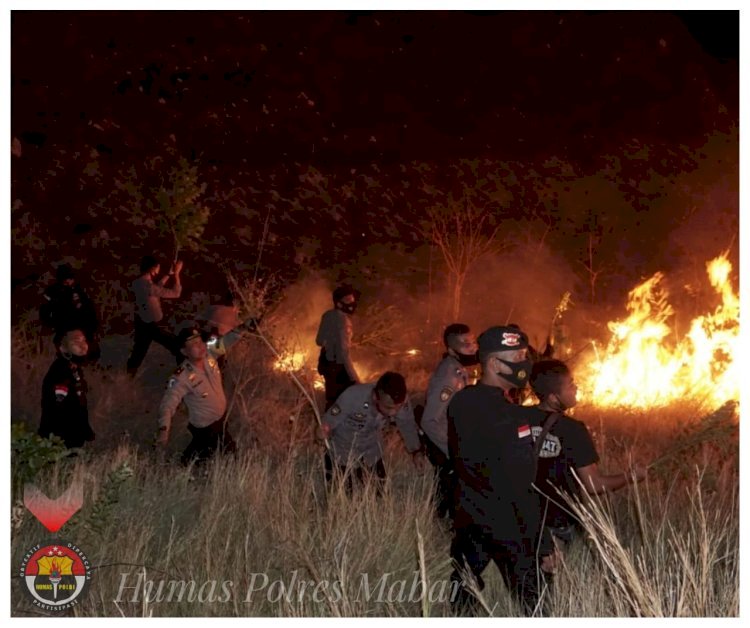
(148,262)
(393,385)
(63,272)
(456,329)
(546,377)
(343,291)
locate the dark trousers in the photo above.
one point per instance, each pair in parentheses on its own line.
(145,334)
(444,476)
(473,548)
(358,474)
(336,378)
(207,440)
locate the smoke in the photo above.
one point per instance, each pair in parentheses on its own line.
(295,318)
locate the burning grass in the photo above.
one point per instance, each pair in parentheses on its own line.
(666,547)
(644,365)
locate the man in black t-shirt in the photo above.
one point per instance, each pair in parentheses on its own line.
(496,510)
(567,448)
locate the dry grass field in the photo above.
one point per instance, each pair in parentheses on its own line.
(260,536)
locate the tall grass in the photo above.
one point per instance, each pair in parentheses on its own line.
(229,535)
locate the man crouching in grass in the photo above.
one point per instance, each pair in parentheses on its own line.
(355,423)
(198,383)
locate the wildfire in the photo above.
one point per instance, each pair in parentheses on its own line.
(642,366)
(290,361)
(295,362)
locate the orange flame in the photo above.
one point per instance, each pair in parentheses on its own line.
(641,368)
(290,361)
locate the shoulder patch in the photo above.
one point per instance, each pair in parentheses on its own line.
(446,393)
(335,409)
(61,391)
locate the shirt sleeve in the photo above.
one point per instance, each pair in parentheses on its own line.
(176,390)
(345,345)
(163,292)
(580,446)
(222,343)
(436,406)
(339,410)
(320,338)
(332,417)
(408,427)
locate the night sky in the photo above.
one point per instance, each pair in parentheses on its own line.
(253,98)
(350,87)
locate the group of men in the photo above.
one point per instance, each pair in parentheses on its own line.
(498,465)
(199,349)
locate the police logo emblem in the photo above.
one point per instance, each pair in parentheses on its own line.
(445,394)
(55,575)
(335,409)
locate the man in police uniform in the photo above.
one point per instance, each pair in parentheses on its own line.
(497,512)
(354,425)
(198,383)
(450,376)
(334,339)
(148,313)
(64,405)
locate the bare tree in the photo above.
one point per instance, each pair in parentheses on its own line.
(590,265)
(463,231)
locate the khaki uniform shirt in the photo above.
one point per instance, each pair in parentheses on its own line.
(335,335)
(449,377)
(148,297)
(201,388)
(357,427)
(223,317)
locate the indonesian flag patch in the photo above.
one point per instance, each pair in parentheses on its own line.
(61,392)
(524,431)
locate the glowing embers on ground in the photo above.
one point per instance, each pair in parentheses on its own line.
(643,366)
(290,361)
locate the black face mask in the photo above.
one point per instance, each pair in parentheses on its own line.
(520,372)
(467,359)
(75,359)
(348,307)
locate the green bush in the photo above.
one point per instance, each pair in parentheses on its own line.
(32,453)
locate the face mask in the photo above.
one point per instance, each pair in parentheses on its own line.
(348,307)
(75,359)
(467,359)
(520,372)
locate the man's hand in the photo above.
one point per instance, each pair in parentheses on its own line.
(162,438)
(324,431)
(551,562)
(177,267)
(419,460)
